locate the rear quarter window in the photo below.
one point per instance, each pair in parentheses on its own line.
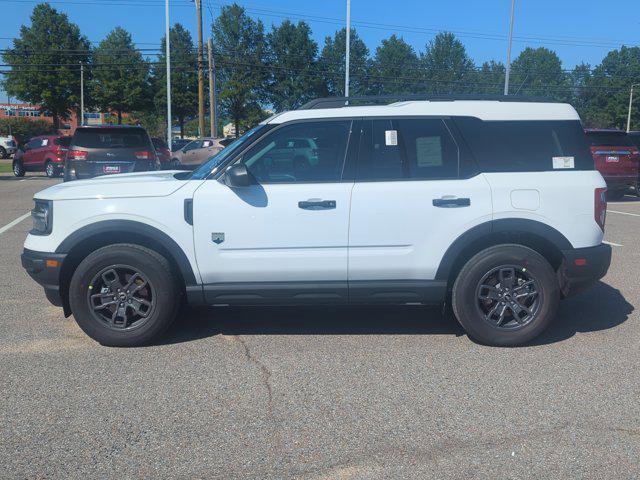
(525,146)
(111,138)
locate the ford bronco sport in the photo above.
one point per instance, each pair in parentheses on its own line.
(492,205)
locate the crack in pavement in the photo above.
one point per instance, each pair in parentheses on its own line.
(264,371)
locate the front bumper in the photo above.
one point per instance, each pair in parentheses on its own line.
(582,267)
(45,269)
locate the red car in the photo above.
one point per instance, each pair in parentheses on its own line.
(616,158)
(163,152)
(42,154)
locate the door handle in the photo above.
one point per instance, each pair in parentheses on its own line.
(317,204)
(451,202)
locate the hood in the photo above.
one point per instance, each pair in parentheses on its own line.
(126,185)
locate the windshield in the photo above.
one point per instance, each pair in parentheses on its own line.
(205,169)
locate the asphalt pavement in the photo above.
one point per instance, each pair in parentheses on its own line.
(320,393)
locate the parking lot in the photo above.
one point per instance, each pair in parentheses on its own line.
(320,393)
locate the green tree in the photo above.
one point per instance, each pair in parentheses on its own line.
(293,78)
(332,64)
(240,49)
(395,68)
(120,75)
(24,129)
(538,72)
(447,67)
(43,71)
(605,96)
(490,78)
(184,77)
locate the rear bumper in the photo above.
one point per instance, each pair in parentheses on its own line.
(617,182)
(583,267)
(45,268)
(87,169)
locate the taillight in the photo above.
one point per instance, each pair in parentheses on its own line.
(77,155)
(144,155)
(600,206)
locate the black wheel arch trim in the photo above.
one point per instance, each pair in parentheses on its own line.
(138,228)
(506,225)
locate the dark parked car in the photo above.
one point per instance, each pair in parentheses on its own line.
(635,138)
(616,158)
(163,152)
(110,149)
(178,143)
(42,154)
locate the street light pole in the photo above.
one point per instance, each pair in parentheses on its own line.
(348,50)
(630,105)
(168,55)
(81,94)
(212,89)
(200,71)
(508,69)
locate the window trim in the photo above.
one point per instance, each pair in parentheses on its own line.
(353,134)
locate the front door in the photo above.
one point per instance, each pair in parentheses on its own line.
(410,202)
(285,238)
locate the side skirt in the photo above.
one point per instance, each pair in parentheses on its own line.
(393,292)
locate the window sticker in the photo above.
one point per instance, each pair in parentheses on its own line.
(391,138)
(429,151)
(563,162)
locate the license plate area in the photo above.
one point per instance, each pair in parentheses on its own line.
(110,169)
(613,159)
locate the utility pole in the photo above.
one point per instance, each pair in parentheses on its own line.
(510,41)
(200,71)
(212,90)
(81,94)
(168,55)
(348,50)
(630,105)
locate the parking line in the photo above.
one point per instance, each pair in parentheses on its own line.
(623,213)
(15,222)
(612,244)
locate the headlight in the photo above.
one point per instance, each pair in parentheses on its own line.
(42,215)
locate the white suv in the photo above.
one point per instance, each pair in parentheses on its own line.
(494,206)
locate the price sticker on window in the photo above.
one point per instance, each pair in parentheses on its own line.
(563,162)
(391,138)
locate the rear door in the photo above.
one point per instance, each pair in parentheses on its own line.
(30,157)
(410,201)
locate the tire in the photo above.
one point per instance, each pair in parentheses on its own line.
(18,168)
(3,153)
(477,316)
(51,170)
(175,164)
(106,269)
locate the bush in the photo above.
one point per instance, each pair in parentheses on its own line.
(24,129)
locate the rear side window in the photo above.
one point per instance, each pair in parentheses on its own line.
(525,146)
(609,139)
(110,138)
(407,149)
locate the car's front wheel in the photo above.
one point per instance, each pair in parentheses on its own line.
(124,295)
(18,168)
(506,295)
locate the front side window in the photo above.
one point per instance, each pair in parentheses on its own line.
(407,149)
(301,152)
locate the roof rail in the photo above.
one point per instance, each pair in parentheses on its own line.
(339,102)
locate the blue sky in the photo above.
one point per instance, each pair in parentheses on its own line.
(577,30)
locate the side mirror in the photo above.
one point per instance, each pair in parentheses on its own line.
(237,176)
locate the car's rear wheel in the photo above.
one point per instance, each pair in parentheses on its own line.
(18,168)
(124,295)
(506,295)
(51,170)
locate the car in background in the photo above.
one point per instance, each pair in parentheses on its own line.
(163,153)
(105,150)
(635,139)
(178,143)
(197,152)
(45,153)
(616,157)
(8,146)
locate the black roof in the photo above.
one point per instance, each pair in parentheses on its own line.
(339,102)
